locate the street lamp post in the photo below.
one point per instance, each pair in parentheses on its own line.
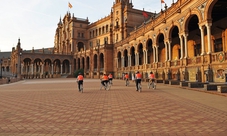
(1,69)
(20,65)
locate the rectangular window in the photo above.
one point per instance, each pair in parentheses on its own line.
(218,45)
(197,49)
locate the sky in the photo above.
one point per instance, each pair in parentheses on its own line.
(35,21)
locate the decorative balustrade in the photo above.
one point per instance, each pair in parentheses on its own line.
(218,56)
(161,64)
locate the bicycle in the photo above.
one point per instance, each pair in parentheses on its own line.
(80,87)
(107,86)
(127,82)
(111,82)
(151,84)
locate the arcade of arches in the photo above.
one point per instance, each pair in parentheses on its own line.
(186,41)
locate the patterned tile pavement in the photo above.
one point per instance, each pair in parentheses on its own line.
(54,107)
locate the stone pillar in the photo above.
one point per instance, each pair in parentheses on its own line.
(146,60)
(61,69)
(154,56)
(186,44)
(123,61)
(32,69)
(181,46)
(166,53)
(169,47)
(157,54)
(117,62)
(202,40)
(70,69)
(129,60)
(52,68)
(208,25)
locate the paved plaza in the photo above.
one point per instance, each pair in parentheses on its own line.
(54,107)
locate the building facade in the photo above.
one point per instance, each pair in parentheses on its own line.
(185,42)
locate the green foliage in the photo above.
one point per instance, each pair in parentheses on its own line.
(78,71)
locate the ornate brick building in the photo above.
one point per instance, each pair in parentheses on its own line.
(186,41)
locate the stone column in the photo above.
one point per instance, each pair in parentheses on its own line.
(70,69)
(202,39)
(154,55)
(145,56)
(61,69)
(123,62)
(157,54)
(208,25)
(181,46)
(170,54)
(166,53)
(129,60)
(52,68)
(186,44)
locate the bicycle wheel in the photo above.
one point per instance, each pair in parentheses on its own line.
(149,85)
(126,83)
(81,88)
(108,86)
(139,87)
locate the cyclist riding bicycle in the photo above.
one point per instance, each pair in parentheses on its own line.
(80,79)
(126,78)
(138,79)
(152,79)
(104,79)
(110,76)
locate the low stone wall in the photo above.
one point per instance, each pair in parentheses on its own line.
(210,87)
(165,81)
(196,85)
(184,84)
(222,88)
(8,80)
(174,82)
(159,81)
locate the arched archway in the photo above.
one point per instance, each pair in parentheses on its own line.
(83,62)
(175,42)
(80,46)
(150,56)
(161,48)
(125,58)
(27,69)
(119,59)
(57,66)
(133,60)
(88,63)
(140,51)
(47,67)
(194,36)
(95,62)
(37,67)
(65,67)
(78,63)
(101,60)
